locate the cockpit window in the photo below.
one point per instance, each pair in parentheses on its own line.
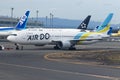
(13,34)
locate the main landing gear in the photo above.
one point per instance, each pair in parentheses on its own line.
(72,48)
(57,47)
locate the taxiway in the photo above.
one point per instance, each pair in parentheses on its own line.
(30,64)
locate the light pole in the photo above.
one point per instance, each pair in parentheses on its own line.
(12,16)
(37,15)
(50,19)
(12,12)
(46,20)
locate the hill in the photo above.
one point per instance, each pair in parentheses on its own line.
(67,23)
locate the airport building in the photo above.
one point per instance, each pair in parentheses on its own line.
(11,22)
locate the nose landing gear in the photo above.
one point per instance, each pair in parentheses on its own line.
(18,46)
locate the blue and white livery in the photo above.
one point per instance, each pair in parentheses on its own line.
(5,31)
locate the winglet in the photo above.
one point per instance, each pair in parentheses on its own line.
(22,22)
(84,24)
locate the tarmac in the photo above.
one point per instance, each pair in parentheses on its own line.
(30,64)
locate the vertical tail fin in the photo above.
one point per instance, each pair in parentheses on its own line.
(84,24)
(22,22)
(105,23)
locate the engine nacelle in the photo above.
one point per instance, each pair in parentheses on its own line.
(64,44)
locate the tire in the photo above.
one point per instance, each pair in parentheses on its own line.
(0,47)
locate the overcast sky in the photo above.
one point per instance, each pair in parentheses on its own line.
(70,9)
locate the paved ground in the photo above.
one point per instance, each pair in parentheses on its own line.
(29,64)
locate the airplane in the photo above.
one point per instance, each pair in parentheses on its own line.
(5,31)
(61,38)
(116,34)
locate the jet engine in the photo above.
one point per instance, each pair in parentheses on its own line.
(63,45)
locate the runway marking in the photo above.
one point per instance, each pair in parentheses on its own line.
(60,71)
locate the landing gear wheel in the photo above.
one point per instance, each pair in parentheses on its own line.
(17,46)
(0,47)
(56,47)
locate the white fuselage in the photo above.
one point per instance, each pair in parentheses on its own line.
(43,36)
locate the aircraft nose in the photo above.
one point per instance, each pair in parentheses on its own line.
(10,38)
